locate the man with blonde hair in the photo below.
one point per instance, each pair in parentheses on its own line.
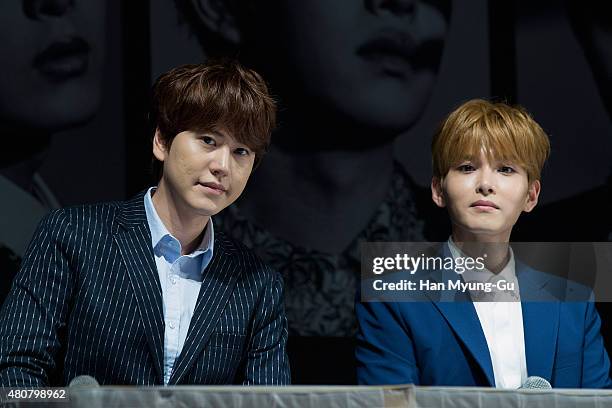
(487,159)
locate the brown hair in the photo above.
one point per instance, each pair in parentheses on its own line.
(503,132)
(205,97)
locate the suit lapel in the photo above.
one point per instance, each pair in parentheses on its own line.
(133,240)
(460,313)
(540,322)
(462,318)
(217,286)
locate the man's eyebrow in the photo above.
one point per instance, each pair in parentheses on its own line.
(466,158)
(214,133)
(218,132)
(210,132)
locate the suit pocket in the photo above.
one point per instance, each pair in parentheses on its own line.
(233,341)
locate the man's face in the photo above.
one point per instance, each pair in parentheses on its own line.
(204,172)
(372,63)
(485,199)
(52,53)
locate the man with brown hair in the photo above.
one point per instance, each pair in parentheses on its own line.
(146,291)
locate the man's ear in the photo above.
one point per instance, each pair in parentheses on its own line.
(437,192)
(532,195)
(160,146)
(219,17)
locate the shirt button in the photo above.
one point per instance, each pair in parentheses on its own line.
(173,280)
(171,324)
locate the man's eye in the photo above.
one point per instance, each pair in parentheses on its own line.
(241,151)
(506,169)
(209,140)
(466,168)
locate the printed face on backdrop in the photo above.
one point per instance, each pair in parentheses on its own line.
(52,53)
(371,63)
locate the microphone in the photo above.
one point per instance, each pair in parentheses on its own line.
(534,382)
(85,387)
(83,381)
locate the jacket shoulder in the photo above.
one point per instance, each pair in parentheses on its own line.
(86,216)
(546,286)
(248,260)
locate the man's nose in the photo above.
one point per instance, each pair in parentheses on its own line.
(219,165)
(485,184)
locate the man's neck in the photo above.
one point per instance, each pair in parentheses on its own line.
(495,250)
(318,200)
(183,224)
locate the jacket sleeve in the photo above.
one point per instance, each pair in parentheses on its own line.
(384,350)
(267,362)
(36,309)
(596,363)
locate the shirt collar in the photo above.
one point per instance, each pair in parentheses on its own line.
(164,244)
(508,272)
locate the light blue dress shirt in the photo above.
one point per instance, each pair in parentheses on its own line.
(180,277)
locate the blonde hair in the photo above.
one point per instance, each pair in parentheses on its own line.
(501,131)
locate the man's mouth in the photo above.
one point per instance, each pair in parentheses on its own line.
(63,59)
(213,187)
(397,44)
(394,51)
(399,53)
(485,205)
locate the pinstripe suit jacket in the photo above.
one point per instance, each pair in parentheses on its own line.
(87,300)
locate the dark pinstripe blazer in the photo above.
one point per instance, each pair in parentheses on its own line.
(87,300)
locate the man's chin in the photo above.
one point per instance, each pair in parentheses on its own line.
(484,230)
(204,209)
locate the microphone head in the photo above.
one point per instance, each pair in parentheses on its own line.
(535,382)
(83,381)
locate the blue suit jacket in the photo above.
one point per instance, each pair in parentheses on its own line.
(87,300)
(442,343)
